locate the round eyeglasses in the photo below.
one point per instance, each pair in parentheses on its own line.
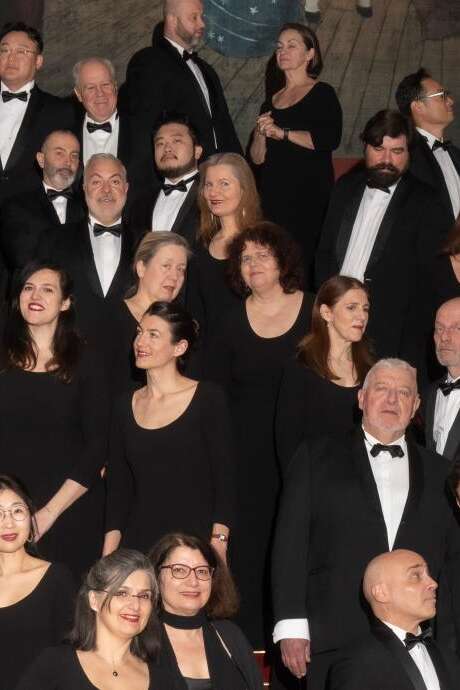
(180,571)
(18,513)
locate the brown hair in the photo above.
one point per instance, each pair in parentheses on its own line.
(451,245)
(313,350)
(223,601)
(282,246)
(387,123)
(249,211)
(310,40)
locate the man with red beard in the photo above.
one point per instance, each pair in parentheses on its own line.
(384,227)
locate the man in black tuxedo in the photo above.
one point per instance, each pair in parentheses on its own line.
(174,206)
(384,227)
(434,160)
(442,400)
(25,219)
(97,252)
(103,129)
(344,502)
(170,76)
(397,654)
(27,114)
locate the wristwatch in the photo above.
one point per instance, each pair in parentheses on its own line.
(286,131)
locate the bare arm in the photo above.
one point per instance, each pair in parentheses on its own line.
(69,492)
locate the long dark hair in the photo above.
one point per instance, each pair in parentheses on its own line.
(223,601)
(16,486)
(108,575)
(19,347)
(314,348)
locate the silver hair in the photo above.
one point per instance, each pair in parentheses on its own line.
(81,63)
(390,363)
(150,245)
(104,157)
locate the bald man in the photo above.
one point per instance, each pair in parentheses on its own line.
(397,654)
(442,400)
(170,76)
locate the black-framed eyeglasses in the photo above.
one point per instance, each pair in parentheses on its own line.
(445,94)
(180,571)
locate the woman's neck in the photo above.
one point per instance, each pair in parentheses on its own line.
(340,352)
(162,381)
(13,563)
(111,649)
(43,337)
(228,227)
(139,303)
(273,294)
(297,77)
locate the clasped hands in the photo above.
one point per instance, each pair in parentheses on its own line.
(265,126)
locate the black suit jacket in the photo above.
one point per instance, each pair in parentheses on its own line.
(139,216)
(380,662)
(330,525)
(44,114)
(452,447)
(409,237)
(158,79)
(425,167)
(25,219)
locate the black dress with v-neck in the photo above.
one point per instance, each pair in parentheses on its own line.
(179,477)
(250,367)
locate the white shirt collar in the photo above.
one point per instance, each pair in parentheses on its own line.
(176,45)
(93,220)
(111,119)
(428,136)
(27,87)
(184,178)
(371,440)
(399,632)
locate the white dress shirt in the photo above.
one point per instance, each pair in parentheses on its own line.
(100,141)
(421,658)
(11,117)
(168,206)
(198,74)
(448,170)
(392,479)
(107,253)
(445,412)
(60,205)
(370,214)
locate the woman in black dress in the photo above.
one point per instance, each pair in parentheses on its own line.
(159,267)
(171,455)
(318,393)
(228,202)
(54,417)
(293,140)
(115,638)
(445,271)
(36,597)
(200,649)
(247,356)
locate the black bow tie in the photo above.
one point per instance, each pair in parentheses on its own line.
(101,229)
(189,56)
(448,386)
(179,186)
(411,640)
(55,194)
(374,185)
(8,96)
(94,126)
(395,451)
(440,145)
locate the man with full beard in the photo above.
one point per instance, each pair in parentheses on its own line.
(27,219)
(384,227)
(174,206)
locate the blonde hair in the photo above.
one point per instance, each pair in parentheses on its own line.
(150,245)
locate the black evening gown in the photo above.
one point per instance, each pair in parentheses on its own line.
(51,431)
(310,405)
(43,618)
(124,375)
(58,668)
(179,477)
(250,367)
(445,285)
(295,183)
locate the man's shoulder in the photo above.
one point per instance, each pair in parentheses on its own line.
(354,177)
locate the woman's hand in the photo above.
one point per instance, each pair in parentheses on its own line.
(263,122)
(44,519)
(274,132)
(220,547)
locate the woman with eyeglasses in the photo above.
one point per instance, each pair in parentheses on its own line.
(115,639)
(36,596)
(201,649)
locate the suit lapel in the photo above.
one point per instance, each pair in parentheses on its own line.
(428,168)
(34,106)
(430,405)
(453,439)
(48,207)
(118,284)
(439,665)
(416,485)
(399,652)
(123,139)
(190,199)
(348,220)
(87,260)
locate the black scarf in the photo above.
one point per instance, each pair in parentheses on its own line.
(224,671)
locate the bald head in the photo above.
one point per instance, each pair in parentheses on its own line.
(399,589)
(447,336)
(184,22)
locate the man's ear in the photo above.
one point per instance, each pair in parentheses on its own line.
(40,158)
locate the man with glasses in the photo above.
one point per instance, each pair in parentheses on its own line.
(27,114)
(434,160)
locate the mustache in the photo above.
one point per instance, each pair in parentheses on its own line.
(106,197)
(385,167)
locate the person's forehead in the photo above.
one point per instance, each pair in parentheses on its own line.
(94,71)
(397,376)
(172,130)
(394,142)
(431,85)
(104,169)
(187,555)
(19,38)
(187,7)
(448,313)
(62,141)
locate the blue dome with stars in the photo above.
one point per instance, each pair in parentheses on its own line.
(247,28)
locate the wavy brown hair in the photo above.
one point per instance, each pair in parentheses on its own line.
(249,211)
(19,348)
(279,243)
(223,601)
(313,350)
